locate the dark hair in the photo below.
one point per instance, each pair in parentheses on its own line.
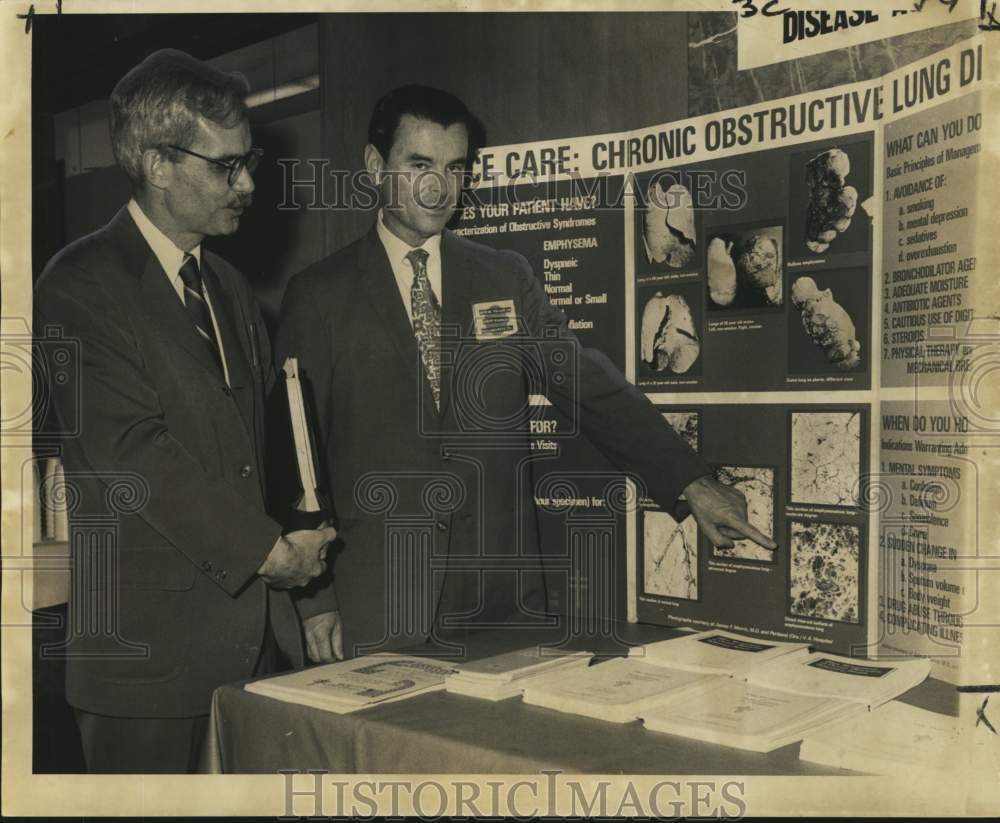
(427,103)
(159,101)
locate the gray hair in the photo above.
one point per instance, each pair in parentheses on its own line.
(158,103)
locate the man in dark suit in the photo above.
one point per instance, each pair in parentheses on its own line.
(421,350)
(191,588)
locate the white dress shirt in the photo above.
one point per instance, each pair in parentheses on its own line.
(397,250)
(171,259)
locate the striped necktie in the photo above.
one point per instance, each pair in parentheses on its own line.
(426,322)
(197,307)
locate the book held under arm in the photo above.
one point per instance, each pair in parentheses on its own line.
(310,512)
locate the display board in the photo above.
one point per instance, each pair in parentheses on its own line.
(779,280)
(749,240)
(800,472)
(938,435)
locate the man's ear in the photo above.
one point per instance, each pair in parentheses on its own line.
(156,169)
(374,162)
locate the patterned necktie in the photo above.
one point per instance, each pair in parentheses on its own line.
(197,308)
(426,322)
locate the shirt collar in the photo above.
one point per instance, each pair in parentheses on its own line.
(397,249)
(170,257)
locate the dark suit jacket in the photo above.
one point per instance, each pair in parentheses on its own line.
(438,509)
(167,523)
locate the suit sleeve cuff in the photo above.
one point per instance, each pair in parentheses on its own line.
(318,597)
(668,493)
(233,580)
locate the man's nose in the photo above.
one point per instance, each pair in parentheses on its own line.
(244,182)
(434,187)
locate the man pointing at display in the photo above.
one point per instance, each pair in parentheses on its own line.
(421,350)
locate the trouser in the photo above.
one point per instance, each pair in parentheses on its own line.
(155,745)
(141,745)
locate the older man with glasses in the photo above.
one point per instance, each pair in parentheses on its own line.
(195,587)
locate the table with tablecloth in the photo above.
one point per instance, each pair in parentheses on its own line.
(443,733)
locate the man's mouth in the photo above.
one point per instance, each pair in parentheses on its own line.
(438,208)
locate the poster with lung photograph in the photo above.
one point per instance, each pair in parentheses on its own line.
(829,183)
(735,299)
(801,475)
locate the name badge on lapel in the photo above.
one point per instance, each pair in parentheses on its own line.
(494,319)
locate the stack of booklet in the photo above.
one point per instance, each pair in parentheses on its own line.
(716,652)
(355,684)
(899,739)
(620,690)
(506,675)
(780,703)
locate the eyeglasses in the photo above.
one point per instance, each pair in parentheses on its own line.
(248,161)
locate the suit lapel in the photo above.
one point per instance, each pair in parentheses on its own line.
(235,341)
(466,282)
(383,292)
(455,311)
(166,313)
(384,295)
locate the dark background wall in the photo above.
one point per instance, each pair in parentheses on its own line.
(529,76)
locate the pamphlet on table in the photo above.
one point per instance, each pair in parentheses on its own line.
(506,675)
(620,690)
(902,739)
(781,702)
(349,685)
